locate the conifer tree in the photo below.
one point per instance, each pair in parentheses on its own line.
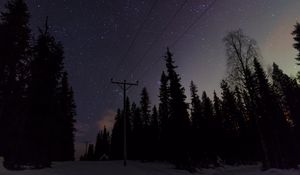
(296,34)
(271,121)
(287,90)
(45,113)
(208,128)
(102,144)
(145,114)
(154,133)
(179,123)
(14,61)
(137,136)
(163,113)
(65,125)
(117,137)
(231,118)
(196,123)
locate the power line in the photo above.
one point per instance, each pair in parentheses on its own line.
(157,38)
(180,36)
(194,22)
(104,87)
(135,37)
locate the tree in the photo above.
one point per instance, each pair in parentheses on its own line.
(145,107)
(195,106)
(102,144)
(179,123)
(117,137)
(296,34)
(231,125)
(163,113)
(65,126)
(272,122)
(45,113)
(209,131)
(154,133)
(196,123)
(241,52)
(14,61)
(145,114)
(137,135)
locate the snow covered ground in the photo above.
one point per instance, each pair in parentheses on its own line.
(137,168)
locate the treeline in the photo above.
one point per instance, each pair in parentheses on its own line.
(37,108)
(254,119)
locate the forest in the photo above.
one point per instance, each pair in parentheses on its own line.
(255,118)
(37,108)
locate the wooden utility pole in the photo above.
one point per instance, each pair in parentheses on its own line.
(125,86)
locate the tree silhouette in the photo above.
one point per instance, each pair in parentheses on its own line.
(14,61)
(179,123)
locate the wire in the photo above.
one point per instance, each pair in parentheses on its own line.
(157,38)
(180,36)
(105,86)
(135,37)
(194,22)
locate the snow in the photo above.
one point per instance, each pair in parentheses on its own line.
(138,168)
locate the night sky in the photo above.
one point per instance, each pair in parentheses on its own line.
(120,39)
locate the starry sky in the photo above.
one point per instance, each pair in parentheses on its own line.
(126,39)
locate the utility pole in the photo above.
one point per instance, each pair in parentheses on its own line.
(125,86)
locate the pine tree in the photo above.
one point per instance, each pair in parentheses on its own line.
(137,136)
(196,122)
(154,134)
(163,113)
(296,34)
(208,130)
(117,140)
(102,144)
(179,123)
(117,137)
(231,117)
(14,61)
(98,145)
(145,114)
(288,93)
(145,107)
(271,121)
(65,125)
(218,123)
(195,106)
(46,73)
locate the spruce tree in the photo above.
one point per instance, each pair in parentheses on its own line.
(66,118)
(145,114)
(154,134)
(137,136)
(45,113)
(231,125)
(271,121)
(102,145)
(196,123)
(14,61)
(163,113)
(208,130)
(296,34)
(179,122)
(117,137)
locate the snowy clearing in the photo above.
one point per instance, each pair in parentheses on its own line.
(138,168)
